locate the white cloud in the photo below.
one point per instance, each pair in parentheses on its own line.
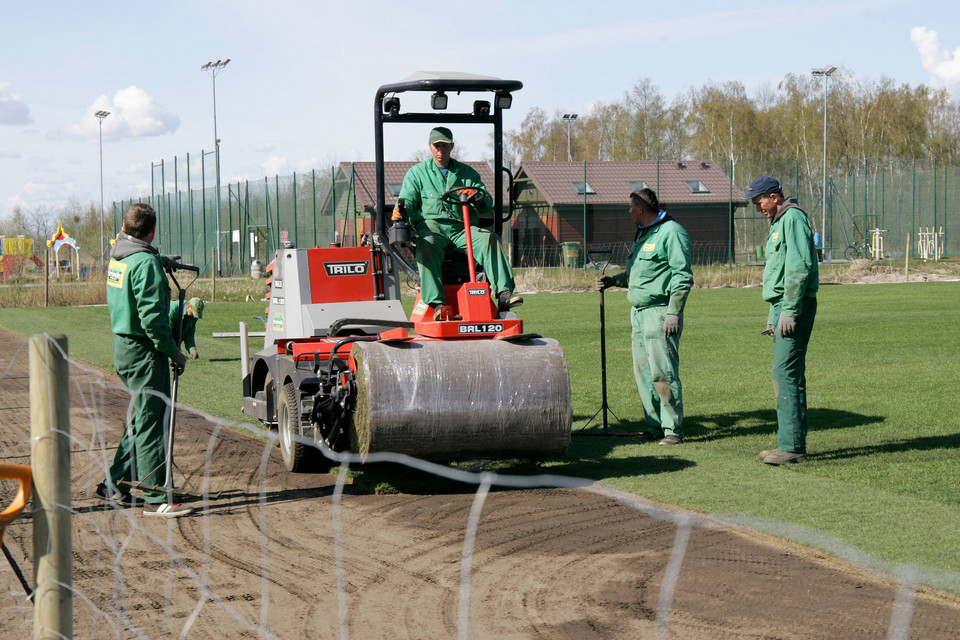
(274,165)
(36,194)
(6,153)
(942,65)
(265,147)
(133,114)
(137,168)
(13,110)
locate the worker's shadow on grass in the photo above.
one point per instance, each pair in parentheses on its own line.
(704,428)
(950,441)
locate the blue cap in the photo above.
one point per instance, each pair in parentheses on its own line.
(761,186)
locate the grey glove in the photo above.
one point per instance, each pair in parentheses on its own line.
(179,360)
(671,325)
(786,326)
(604,282)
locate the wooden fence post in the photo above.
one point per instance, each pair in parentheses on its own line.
(50,459)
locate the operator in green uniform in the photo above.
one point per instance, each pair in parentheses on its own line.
(439,224)
(192,311)
(138,295)
(790,283)
(658,279)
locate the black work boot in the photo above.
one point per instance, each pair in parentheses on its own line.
(506,300)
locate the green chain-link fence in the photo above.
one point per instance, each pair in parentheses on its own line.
(320,207)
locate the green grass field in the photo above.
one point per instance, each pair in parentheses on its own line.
(883,379)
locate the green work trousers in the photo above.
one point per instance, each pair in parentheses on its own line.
(656,367)
(434,236)
(790,379)
(141,454)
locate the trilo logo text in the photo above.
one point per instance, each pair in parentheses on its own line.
(346,268)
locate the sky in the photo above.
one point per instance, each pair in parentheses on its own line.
(298,91)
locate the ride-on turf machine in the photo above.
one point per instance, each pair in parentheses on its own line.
(343,367)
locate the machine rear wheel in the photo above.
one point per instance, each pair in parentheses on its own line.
(295,452)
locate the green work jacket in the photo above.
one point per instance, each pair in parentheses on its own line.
(658,270)
(189,325)
(791,273)
(424,184)
(138,294)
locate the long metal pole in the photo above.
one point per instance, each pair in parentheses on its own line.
(823,226)
(216,151)
(214,68)
(101,190)
(100,115)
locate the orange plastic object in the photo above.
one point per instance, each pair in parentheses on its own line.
(24,474)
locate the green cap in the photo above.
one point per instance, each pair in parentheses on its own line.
(441,134)
(197,305)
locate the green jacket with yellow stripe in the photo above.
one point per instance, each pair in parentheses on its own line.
(658,270)
(138,293)
(791,273)
(424,183)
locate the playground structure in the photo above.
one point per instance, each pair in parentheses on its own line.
(15,252)
(876,244)
(61,239)
(930,243)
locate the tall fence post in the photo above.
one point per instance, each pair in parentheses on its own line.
(50,459)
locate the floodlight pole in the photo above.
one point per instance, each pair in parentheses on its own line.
(214,68)
(825,72)
(569,118)
(100,115)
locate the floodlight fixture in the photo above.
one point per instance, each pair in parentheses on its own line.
(438,101)
(504,100)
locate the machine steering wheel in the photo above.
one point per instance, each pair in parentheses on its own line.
(458,195)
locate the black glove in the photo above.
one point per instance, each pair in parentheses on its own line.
(166,261)
(786,326)
(179,361)
(605,282)
(671,325)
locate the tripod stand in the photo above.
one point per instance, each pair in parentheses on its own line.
(604,407)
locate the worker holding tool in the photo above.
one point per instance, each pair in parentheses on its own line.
(439,224)
(192,312)
(790,282)
(658,279)
(138,295)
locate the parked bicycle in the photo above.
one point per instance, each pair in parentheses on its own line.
(855,251)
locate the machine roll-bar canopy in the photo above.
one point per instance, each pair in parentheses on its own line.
(388,108)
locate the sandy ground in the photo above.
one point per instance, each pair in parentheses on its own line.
(260,561)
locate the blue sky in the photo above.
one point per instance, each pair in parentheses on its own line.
(298,92)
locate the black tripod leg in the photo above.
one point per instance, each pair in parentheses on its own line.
(16,570)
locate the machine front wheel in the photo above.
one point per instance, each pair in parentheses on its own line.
(295,451)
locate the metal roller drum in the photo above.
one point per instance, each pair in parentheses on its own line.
(455,400)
